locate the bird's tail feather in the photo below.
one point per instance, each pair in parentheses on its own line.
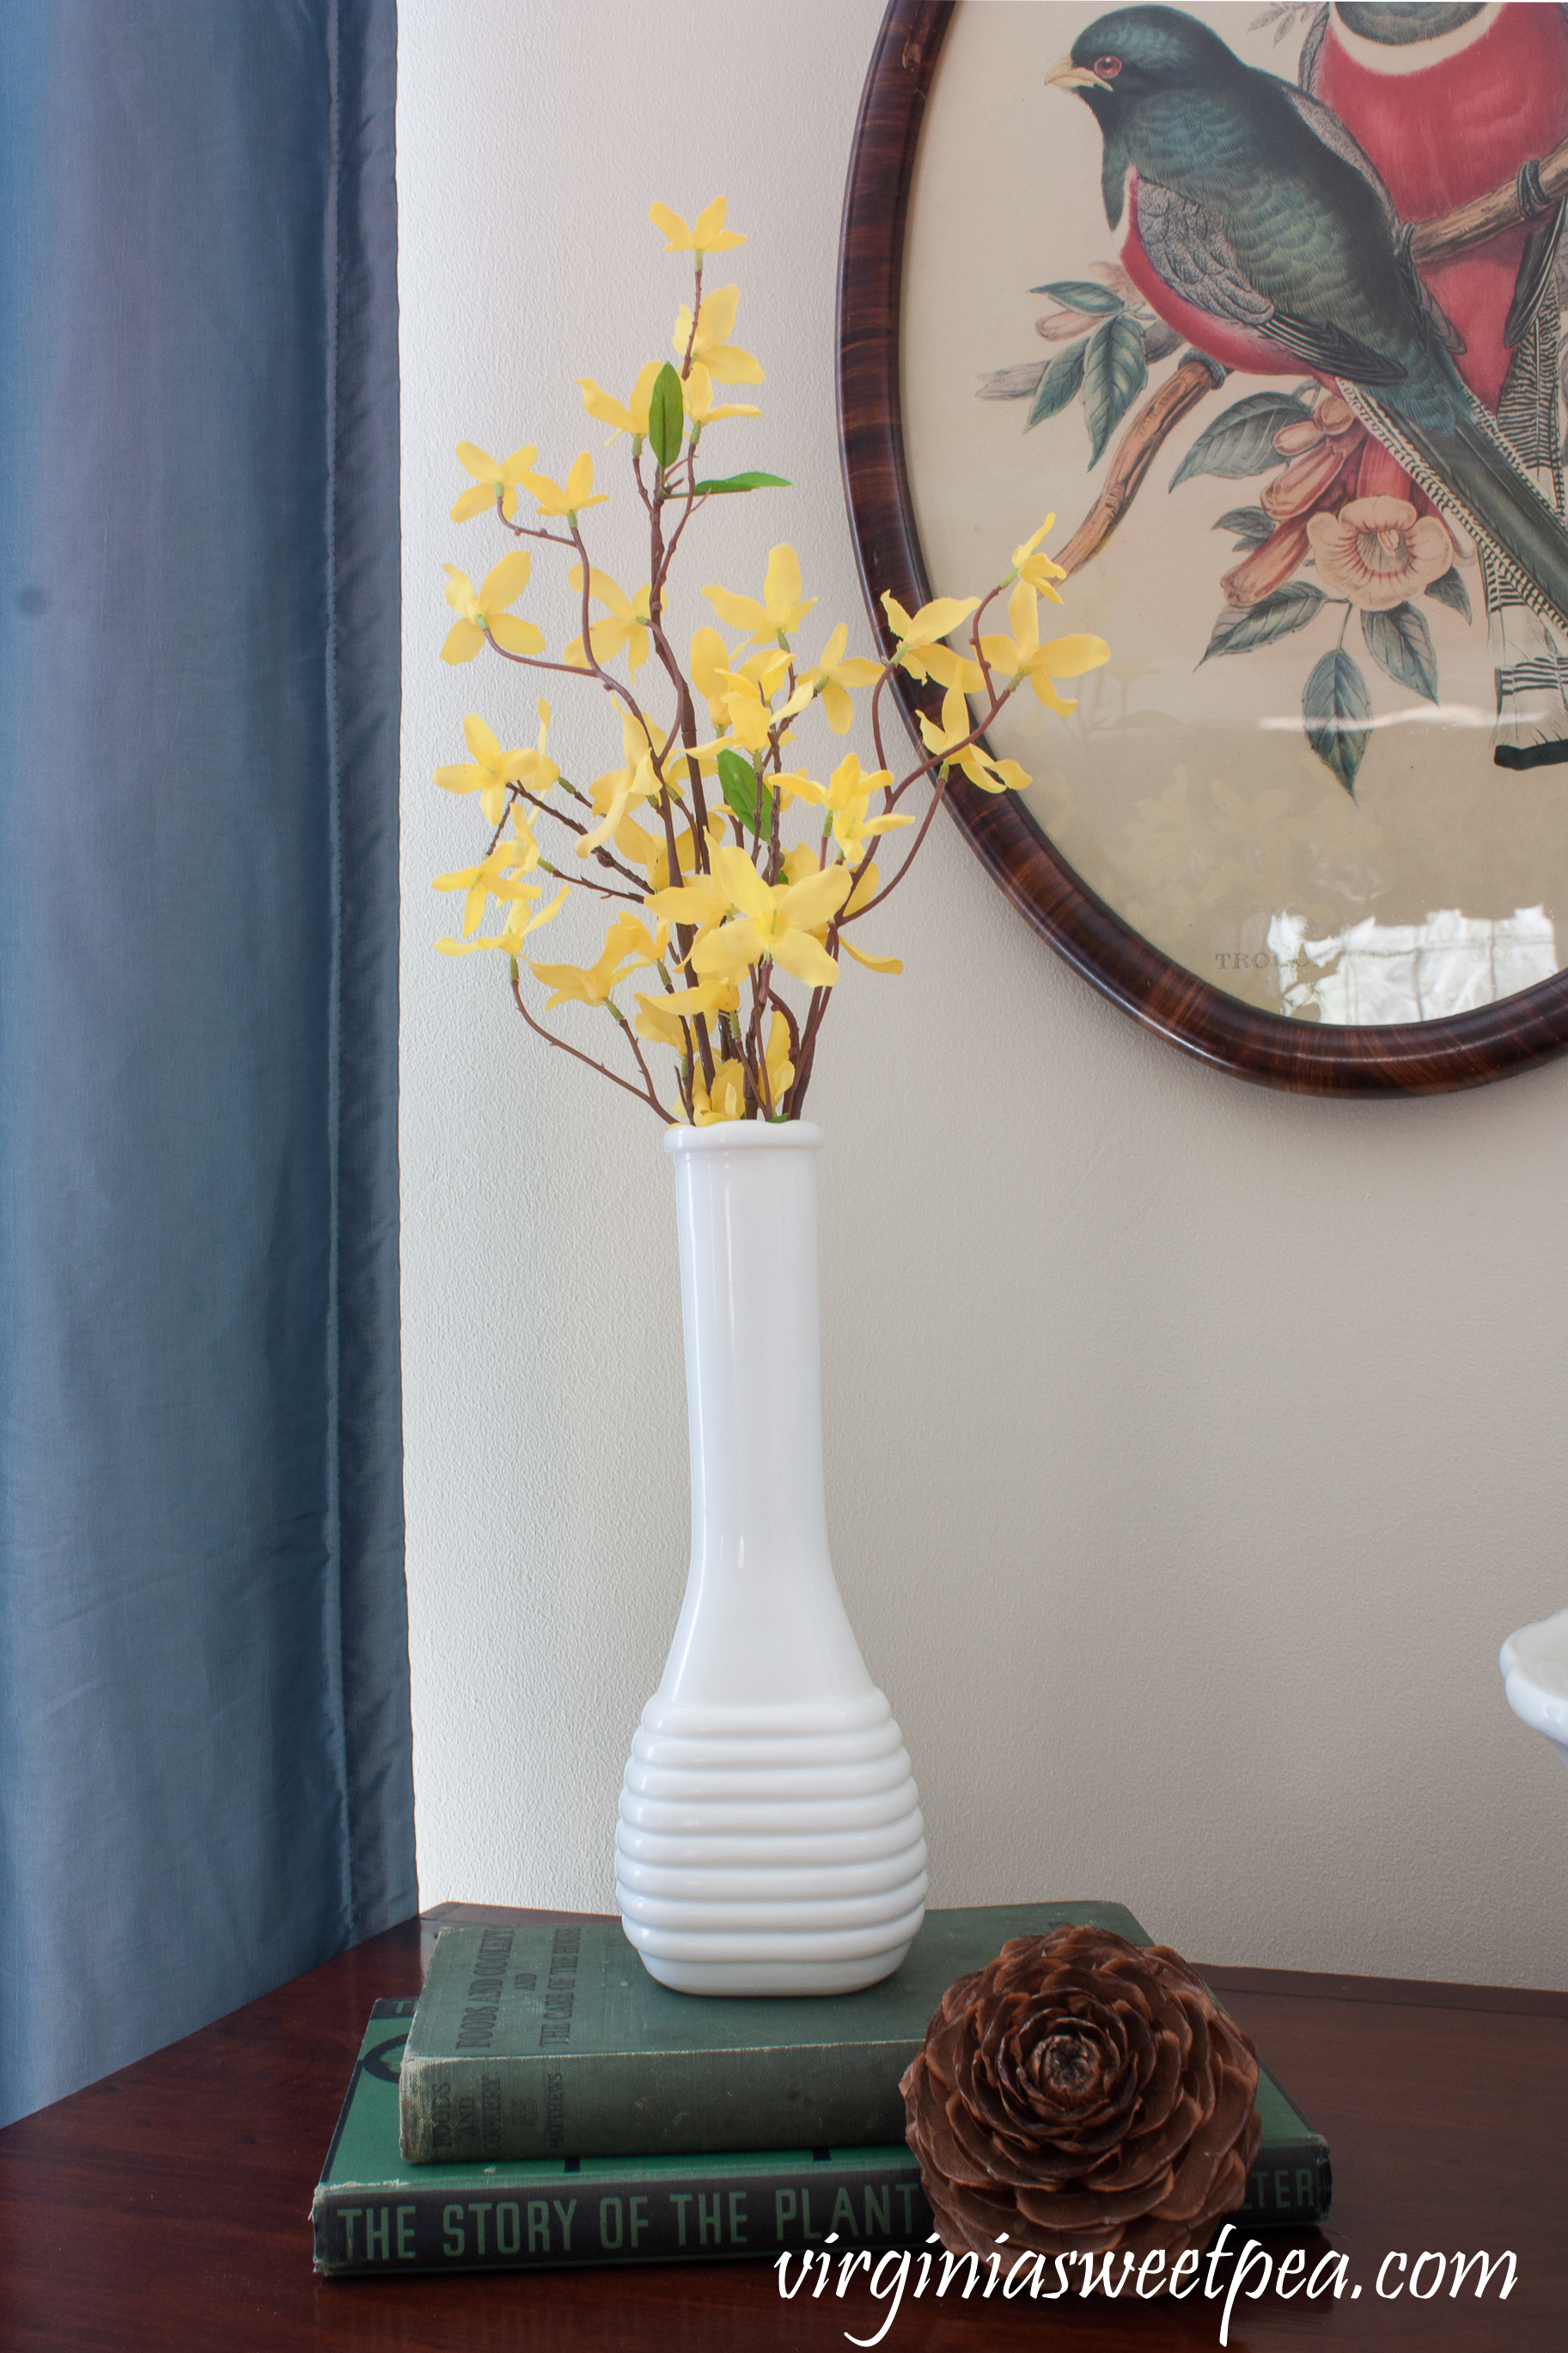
(1530,657)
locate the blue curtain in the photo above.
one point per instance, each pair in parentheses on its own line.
(205,1755)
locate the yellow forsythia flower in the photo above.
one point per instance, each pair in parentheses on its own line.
(991,776)
(921,650)
(627,626)
(707,234)
(493,479)
(783,608)
(628,946)
(482,613)
(774,923)
(632,418)
(1023,656)
(568,498)
(831,675)
(1038,570)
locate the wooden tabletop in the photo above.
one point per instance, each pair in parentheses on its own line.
(165,2210)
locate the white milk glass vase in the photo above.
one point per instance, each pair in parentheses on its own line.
(771,1839)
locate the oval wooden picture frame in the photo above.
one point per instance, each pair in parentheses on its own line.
(1416,1057)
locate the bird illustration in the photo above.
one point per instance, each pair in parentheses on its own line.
(1258,228)
(1450,102)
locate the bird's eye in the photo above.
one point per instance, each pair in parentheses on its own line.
(1108,68)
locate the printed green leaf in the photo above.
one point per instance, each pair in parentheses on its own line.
(1115,372)
(744,482)
(1082,294)
(1336,706)
(1059,383)
(737,782)
(1451,590)
(666,416)
(1400,642)
(1251,525)
(1242,441)
(1288,609)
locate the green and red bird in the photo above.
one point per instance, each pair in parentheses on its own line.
(1261,230)
(1450,102)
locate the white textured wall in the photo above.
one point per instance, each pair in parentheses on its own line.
(1190,1449)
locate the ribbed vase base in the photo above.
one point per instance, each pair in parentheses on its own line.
(771,1977)
(778,1850)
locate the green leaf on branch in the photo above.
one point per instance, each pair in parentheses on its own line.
(1288,609)
(744,482)
(1251,524)
(1242,441)
(739,781)
(1115,371)
(1451,590)
(666,416)
(1336,706)
(1081,295)
(1400,642)
(1059,384)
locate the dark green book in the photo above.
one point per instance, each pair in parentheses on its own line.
(373,2213)
(553,2042)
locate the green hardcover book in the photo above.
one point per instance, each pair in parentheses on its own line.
(545,2041)
(375,2213)
(555,2042)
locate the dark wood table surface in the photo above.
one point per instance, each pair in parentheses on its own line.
(167,2207)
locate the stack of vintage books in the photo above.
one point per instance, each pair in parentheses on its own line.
(546,2101)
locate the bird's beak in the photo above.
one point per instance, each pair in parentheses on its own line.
(1067,76)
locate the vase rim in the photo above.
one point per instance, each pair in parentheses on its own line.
(746,1135)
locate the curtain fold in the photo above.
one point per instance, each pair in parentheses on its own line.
(205,1750)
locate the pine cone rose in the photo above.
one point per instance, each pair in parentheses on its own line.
(1082,2095)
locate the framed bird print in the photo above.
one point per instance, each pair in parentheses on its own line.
(1265,304)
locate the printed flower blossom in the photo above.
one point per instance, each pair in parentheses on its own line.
(493,479)
(1327,452)
(1378,551)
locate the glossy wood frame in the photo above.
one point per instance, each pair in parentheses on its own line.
(1411,1057)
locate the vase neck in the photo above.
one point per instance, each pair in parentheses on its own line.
(747,1222)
